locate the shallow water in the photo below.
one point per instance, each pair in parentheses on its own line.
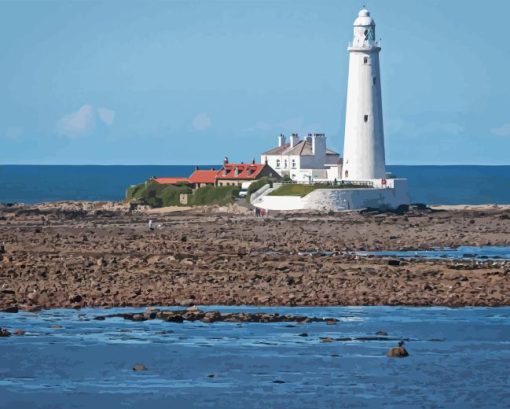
(462,252)
(459,358)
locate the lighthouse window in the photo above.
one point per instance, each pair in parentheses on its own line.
(365,60)
(277,163)
(365,118)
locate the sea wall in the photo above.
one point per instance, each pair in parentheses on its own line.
(393,195)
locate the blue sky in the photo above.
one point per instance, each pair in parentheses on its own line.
(187,82)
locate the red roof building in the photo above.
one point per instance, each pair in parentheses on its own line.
(201,178)
(233,174)
(170,181)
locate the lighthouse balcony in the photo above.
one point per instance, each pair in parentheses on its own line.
(364,45)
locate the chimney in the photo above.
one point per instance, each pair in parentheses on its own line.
(253,161)
(225,160)
(294,140)
(319,145)
(281,140)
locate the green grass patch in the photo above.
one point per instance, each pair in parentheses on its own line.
(220,195)
(157,195)
(295,189)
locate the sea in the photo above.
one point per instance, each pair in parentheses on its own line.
(458,358)
(448,185)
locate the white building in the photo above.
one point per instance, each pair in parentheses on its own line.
(305,160)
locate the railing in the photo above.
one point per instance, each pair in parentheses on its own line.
(364,44)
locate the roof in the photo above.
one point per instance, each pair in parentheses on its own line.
(240,171)
(303,147)
(203,176)
(170,181)
(364,19)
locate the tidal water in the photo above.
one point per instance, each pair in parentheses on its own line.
(462,252)
(459,358)
(427,184)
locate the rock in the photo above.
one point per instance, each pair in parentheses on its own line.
(11,309)
(76,298)
(19,332)
(4,333)
(327,339)
(139,368)
(174,318)
(397,352)
(56,326)
(393,262)
(331,321)
(381,333)
(303,334)
(211,375)
(278,381)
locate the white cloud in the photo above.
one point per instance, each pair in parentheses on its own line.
(201,122)
(77,123)
(503,130)
(13,133)
(82,121)
(106,115)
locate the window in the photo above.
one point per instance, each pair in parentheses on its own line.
(365,118)
(346,173)
(293,163)
(365,60)
(277,163)
(285,164)
(374,80)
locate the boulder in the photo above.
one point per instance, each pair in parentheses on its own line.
(19,332)
(4,333)
(397,352)
(139,367)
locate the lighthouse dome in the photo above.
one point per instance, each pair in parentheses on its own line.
(364,18)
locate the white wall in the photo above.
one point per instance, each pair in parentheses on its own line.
(280,203)
(350,199)
(392,196)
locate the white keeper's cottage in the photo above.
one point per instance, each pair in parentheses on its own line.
(304,160)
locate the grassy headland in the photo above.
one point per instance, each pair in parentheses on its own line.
(157,195)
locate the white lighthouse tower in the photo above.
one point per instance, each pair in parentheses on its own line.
(364,134)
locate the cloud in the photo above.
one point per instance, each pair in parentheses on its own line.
(77,123)
(83,121)
(201,122)
(503,130)
(106,115)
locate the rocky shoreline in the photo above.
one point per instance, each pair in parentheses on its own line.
(194,314)
(87,254)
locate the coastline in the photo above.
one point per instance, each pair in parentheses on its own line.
(100,254)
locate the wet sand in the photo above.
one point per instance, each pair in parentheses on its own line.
(101,254)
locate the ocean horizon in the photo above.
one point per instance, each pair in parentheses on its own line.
(429,184)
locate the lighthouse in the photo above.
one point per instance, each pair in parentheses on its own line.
(364,134)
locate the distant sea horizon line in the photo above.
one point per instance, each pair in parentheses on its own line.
(219,164)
